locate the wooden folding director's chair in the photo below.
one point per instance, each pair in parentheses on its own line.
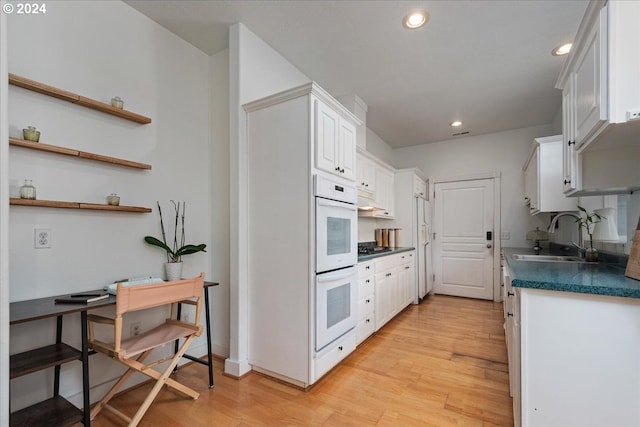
(134,350)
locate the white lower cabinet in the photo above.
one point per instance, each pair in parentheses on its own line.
(394,284)
(512,336)
(366,301)
(334,353)
(574,359)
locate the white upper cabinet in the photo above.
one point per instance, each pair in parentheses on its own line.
(543,177)
(603,70)
(420,187)
(384,193)
(600,81)
(569,155)
(335,142)
(365,174)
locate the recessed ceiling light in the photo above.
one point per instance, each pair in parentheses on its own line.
(561,50)
(456,123)
(415,19)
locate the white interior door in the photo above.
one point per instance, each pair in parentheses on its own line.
(462,246)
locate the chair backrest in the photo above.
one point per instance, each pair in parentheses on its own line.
(133,298)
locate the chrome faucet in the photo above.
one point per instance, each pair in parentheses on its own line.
(552,228)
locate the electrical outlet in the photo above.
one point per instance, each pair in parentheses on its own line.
(633,115)
(505,235)
(135,329)
(42,238)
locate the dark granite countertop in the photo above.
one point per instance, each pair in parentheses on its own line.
(367,257)
(602,278)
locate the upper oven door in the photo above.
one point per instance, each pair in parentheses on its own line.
(336,235)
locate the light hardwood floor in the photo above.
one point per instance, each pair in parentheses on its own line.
(441,363)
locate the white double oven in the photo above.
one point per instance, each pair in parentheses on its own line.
(336,256)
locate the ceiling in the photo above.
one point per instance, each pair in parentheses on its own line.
(487,63)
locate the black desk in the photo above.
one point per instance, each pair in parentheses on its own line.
(57,410)
(209,361)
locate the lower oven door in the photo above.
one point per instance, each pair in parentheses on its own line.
(335,305)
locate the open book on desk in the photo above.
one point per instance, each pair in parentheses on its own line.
(82,298)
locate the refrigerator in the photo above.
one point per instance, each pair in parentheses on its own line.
(422,239)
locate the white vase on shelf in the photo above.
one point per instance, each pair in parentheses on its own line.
(173,270)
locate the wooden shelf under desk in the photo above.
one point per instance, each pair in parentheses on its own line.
(41,358)
(77,153)
(64,95)
(56,411)
(76,205)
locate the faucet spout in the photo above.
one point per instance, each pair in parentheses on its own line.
(552,228)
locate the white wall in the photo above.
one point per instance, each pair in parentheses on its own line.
(378,147)
(504,152)
(99,50)
(4,226)
(218,180)
(255,71)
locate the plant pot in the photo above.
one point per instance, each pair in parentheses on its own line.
(173,270)
(591,255)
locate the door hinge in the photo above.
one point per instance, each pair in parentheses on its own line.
(434,236)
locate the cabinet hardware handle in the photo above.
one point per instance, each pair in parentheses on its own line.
(367,267)
(368,320)
(363,184)
(338,168)
(341,170)
(340,348)
(510,294)
(567,182)
(366,185)
(509,314)
(368,301)
(367,281)
(570,143)
(407,267)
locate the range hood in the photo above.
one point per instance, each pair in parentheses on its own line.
(366,203)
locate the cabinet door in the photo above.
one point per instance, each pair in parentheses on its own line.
(419,188)
(382,298)
(327,135)
(365,174)
(590,82)
(569,155)
(531,182)
(404,285)
(384,192)
(347,150)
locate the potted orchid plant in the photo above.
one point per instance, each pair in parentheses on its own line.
(178,248)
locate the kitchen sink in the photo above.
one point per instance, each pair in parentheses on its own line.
(547,258)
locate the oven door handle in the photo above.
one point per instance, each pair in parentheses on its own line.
(336,275)
(327,202)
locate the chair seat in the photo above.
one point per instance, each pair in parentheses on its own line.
(155,337)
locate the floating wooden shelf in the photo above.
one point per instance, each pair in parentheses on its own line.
(77,153)
(76,205)
(76,99)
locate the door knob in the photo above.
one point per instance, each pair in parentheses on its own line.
(489,245)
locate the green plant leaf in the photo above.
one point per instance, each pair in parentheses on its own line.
(155,242)
(190,249)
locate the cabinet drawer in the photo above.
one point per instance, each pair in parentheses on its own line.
(365,306)
(364,329)
(386,262)
(365,287)
(335,353)
(365,269)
